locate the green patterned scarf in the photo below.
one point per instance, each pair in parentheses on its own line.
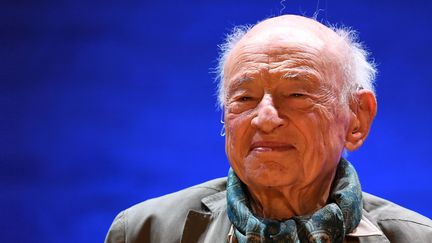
(329,224)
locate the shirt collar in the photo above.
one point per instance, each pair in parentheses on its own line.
(365,227)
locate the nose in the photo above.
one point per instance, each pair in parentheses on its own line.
(267,118)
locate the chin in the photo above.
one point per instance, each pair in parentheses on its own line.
(262,182)
(268,177)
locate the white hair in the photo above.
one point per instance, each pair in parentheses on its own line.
(359,71)
(225,48)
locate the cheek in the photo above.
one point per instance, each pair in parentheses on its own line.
(236,141)
(331,130)
(321,134)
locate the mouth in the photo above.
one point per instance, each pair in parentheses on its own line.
(261,147)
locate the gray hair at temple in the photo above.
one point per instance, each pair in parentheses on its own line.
(359,73)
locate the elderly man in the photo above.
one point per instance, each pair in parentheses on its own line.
(295,94)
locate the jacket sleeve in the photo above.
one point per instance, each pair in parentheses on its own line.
(116,233)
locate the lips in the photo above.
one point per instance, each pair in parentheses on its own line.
(270,146)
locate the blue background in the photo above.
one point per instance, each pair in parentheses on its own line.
(108,103)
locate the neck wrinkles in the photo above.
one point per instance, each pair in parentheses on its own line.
(281,203)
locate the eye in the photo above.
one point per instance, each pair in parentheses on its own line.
(294,95)
(245,98)
(297,95)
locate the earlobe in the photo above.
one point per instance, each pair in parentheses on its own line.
(363,111)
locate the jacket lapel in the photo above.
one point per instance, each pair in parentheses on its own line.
(195,226)
(211,225)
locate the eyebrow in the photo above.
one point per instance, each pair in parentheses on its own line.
(236,83)
(301,74)
(243,79)
(239,81)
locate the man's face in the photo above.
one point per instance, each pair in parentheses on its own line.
(285,124)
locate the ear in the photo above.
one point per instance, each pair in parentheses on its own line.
(363,110)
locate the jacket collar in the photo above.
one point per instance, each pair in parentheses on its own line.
(215,202)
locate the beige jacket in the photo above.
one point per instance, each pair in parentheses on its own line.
(198,214)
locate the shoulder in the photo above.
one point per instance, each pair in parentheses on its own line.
(397,223)
(177,202)
(147,220)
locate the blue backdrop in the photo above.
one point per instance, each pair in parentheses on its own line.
(108,103)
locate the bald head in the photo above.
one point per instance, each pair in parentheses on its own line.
(293,27)
(341,57)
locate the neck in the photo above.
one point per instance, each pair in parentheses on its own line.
(282,203)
